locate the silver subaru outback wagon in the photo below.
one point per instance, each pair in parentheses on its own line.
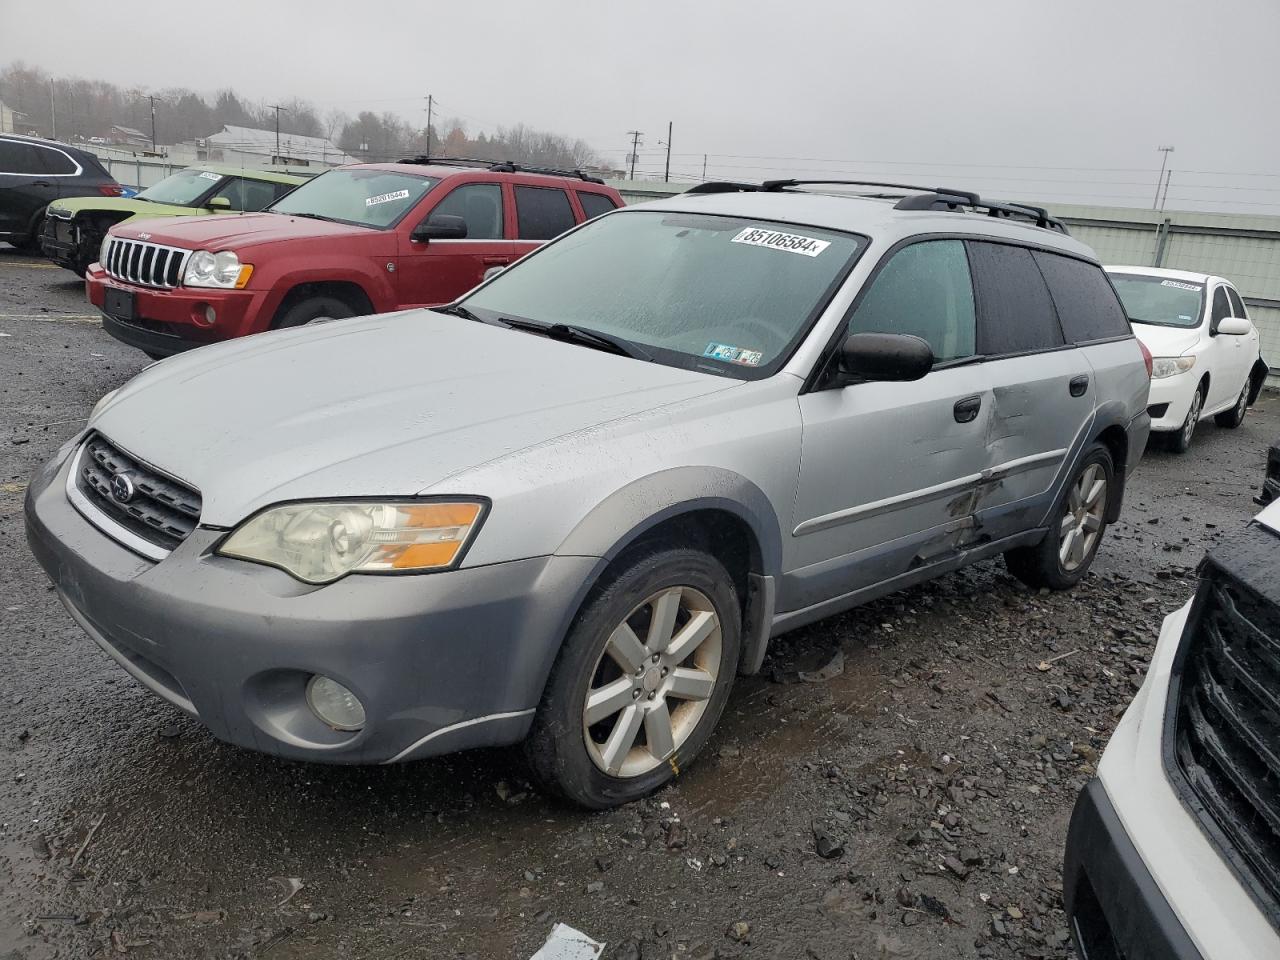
(569,508)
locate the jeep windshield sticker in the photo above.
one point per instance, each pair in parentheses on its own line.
(386,198)
(722,351)
(1194,288)
(774,240)
(208,175)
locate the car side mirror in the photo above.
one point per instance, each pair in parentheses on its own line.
(885,356)
(1234,326)
(440,226)
(219,203)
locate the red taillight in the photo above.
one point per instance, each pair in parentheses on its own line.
(111,189)
(1146,357)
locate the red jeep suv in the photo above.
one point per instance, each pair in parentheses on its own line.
(359,239)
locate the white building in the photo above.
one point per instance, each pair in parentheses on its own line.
(253,147)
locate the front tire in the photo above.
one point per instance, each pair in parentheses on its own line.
(1064,556)
(1180,442)
(641,680)
(1235,416)
(312,308)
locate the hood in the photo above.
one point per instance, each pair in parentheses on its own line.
(237,231)
(383,406)
(1166,341)
(1270,517)
(126,206)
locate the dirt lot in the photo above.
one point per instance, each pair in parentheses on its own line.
(932,752)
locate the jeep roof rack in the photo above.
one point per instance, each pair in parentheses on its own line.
(500,166)
(921,198)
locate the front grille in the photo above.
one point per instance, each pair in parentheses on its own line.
(161,510)
(146,264)
(1225,741)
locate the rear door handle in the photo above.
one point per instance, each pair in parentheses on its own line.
(966,410)
(41,183)
(501,261)
(1079,386)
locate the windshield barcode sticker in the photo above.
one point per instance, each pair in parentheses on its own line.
(774,240)
(1180,285)
(386,198)
(209,175)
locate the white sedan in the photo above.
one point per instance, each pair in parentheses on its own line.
(1207,361)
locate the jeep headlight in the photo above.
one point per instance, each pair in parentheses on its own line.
(222,270)
(1162,367)
(321,542)
(106,245)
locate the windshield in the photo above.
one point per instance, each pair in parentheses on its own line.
(363,198)
(1160,301)
(183,188)
(721,294)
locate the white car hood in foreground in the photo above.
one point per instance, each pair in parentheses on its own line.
(1166,341)
(383,406)
(1270,517)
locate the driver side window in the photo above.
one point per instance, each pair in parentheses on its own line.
(926,290)
(480,205)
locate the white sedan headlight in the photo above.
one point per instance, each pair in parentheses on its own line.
(222,270)
(1162,367)
(321,542)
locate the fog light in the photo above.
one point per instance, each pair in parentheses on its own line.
(334,704)
(210,315)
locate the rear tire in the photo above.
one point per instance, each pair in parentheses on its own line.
(640,681)
(1235,416)
(1079,520)
(312,308)
(1180,442)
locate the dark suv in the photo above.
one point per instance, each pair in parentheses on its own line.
(34,173)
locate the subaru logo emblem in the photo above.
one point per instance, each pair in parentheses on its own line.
(122,488)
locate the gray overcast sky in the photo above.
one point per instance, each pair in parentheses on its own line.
(1052,99)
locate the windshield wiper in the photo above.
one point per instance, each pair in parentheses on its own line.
(581,336)
(310,216)
(458,310)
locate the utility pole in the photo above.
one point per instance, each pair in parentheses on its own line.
(1162,223)
(1163,163)
(153,120)
(666,174)
(430,104)
(704,166)
(635,136)
(53,116)
(277,108)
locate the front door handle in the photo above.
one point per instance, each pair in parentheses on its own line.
(966,410)
(1079,386)
(41,183)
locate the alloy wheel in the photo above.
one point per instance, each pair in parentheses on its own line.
(646,696)
(1082,523)
(1193,418)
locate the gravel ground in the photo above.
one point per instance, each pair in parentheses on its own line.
(897,783)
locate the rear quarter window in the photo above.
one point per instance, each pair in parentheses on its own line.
(1015,311)
(595,204)
(55,161)
(1088,307)
(543,212)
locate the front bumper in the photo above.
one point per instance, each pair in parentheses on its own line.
(170,321)
(1138,869)
(60,241)
(441,662)
(1170,399)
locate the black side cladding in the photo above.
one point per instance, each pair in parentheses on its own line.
(1222,731)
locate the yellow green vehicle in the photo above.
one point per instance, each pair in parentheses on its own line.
(74,227)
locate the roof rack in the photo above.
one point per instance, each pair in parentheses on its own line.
(500,166)
(923,198)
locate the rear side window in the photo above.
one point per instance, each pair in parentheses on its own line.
(480,205)
(1015,312)
(19,157)
(1088,307)
(1237,305)
(924,290)
(1221,306)
(542,212)
(594,204)
(55,161)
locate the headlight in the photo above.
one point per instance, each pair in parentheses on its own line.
(1162,367)
(102,250)
(223,270)
(320,542)
(102,403)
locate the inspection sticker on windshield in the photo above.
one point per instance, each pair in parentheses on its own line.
(209,175)
(1181,286)
(774,240)
(386,197)
(722,351)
